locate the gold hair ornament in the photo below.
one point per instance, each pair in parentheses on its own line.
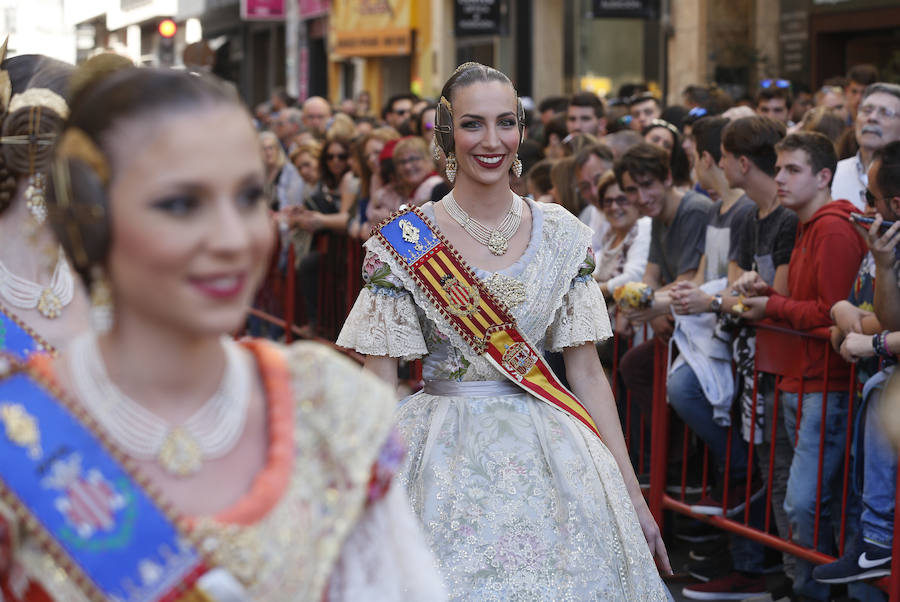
(40,97)
(5,82)
(75,144)
(78,214)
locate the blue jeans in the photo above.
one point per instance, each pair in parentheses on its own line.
(880,473)
(800,500)
(687,398)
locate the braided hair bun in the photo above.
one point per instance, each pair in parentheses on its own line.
(28,130)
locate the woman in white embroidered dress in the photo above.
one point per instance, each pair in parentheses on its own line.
(519,500)
(275,471)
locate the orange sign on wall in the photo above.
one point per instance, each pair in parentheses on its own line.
(371,27)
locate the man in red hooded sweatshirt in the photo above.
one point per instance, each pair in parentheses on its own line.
(823,266)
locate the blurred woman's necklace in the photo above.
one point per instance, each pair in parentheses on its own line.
(48,300)
(210,432)
(497,241)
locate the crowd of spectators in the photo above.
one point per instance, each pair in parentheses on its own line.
(731,212)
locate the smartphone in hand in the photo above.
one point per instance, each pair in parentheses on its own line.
(861,219)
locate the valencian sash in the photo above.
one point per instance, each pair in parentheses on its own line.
(68,486)
(17,341)
(482,320)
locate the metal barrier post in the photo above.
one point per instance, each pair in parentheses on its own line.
(659,429)
(290,277)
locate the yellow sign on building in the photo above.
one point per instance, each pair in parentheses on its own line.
(371,27)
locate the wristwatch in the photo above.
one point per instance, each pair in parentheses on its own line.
(716,304)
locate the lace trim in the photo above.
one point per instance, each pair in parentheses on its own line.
(383,325)
(582,318)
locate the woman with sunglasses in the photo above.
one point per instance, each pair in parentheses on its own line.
(171,462)
(520,499)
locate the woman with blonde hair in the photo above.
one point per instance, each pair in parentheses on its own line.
(416,175)
(562,177)
(284,186)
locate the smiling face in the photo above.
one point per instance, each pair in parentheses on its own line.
(485,131)
(308,166)
(411,167)
(191,234)
(619,211)
(645,192)
(336,159)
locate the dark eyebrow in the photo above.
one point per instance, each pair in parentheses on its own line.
(471,116)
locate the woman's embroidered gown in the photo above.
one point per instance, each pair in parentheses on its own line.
(519,500)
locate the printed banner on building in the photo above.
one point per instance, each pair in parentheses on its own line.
(630,9)
(371,27)
(263,10)
(314,8)
(478,17)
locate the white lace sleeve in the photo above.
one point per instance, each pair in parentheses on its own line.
(386,557)
(383,320)
(582,317)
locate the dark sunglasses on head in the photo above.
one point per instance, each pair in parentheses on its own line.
(341,156)
(774,83)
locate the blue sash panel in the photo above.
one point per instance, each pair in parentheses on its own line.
(409,235)
(95,514)
(15,340)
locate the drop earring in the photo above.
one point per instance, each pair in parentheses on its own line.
(101,301)
(451,167)
(517,166)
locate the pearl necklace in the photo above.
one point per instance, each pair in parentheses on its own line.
(49,300)
(210,432)
(496,240)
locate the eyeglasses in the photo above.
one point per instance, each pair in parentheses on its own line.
(333,156)
(871,199)
(621,201)
(774,83)
(883,112)
(409,160)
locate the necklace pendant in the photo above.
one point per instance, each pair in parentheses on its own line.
(497,243)
(180,453)
(49,304)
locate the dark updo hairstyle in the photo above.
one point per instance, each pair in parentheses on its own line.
(36,122)
(79,183)
(466,75)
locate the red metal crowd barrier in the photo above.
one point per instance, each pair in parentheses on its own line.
(780,359)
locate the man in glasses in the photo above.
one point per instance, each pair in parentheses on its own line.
(398,109)
(862,340)
(877,122)
(774,99)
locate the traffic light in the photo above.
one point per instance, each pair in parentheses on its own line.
(166,44)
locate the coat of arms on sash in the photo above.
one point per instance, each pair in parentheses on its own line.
(519,359)
(462,299)
(88,501)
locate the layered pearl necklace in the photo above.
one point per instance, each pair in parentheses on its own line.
(49,300)
(496,240)
(210,432)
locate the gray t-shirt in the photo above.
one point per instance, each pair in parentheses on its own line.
(677,248)
(723,235)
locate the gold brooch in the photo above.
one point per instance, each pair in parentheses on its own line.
(509,290)
(21,428)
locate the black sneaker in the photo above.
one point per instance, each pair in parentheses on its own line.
(710,569)
(711,503)
(864,561)
(696,532)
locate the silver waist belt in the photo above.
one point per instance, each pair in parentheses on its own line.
(473,388)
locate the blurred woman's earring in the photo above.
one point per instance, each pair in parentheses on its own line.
(451,167)
(517,166)
(101,301)
(35,198)
(435,151)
